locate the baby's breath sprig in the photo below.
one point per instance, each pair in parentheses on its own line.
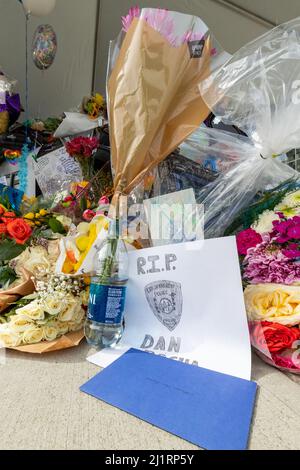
(58,285)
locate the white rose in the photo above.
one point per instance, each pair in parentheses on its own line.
(74,326)
(53,250)
(50,333)
(69,312)
(79,316)
(33,335)
(62,328)
(19,324)
(9,339)
(33,311)
(84,296)
(35,260)
(53,305)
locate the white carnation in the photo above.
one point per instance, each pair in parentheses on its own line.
(265,222)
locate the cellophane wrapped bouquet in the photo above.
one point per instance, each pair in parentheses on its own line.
(258,90)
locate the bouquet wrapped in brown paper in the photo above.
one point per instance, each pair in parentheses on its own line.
(154,98)
(20,288)
(42,312)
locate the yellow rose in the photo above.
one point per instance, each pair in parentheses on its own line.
(9,339)
(50,333)
(33,311)
(29,216)
(33,335)
(273,302)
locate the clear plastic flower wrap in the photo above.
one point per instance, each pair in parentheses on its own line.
(10,106)
(258,90)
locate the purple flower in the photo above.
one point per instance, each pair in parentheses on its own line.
(266,263)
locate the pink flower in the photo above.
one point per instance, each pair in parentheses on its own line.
(161,20)
(266,263)
(127,20)
(287,230)
(292,253)
(247,239)
(285,362)
(82,146)
(104,201)
(190,36)
(88,215)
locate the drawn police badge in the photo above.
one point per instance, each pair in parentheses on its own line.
(165,300)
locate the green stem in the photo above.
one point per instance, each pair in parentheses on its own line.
(109,261)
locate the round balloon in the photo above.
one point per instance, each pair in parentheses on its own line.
(38,7)
(44,46)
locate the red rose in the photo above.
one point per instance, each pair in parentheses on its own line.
(273,337)
(247,239)
(82,146)
(3,229)
(8,217)
(19,230)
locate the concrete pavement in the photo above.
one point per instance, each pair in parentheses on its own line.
(41,407)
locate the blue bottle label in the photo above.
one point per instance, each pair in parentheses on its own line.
(106,304)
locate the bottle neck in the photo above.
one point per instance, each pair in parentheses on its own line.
(114,229)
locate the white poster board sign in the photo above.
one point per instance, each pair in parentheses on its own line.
(186,302)
(55,171)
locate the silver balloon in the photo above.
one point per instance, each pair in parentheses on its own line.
(44,46)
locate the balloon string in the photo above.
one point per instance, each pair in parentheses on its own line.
(23,162)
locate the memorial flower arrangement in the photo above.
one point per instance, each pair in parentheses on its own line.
(270,259)
(57,308)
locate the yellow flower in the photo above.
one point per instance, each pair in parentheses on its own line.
(38,216)
(99,100)
(30,216)
(82,242)
(274,303)
(43,212)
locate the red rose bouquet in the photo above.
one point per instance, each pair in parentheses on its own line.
(83,149)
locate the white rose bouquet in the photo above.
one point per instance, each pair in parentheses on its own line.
(57,308)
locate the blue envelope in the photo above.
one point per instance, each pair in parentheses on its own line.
(209,409)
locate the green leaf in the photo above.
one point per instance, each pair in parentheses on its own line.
(7,275)
(10,250)
(56,226)
(83,204)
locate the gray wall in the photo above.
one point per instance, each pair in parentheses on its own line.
(70,77)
